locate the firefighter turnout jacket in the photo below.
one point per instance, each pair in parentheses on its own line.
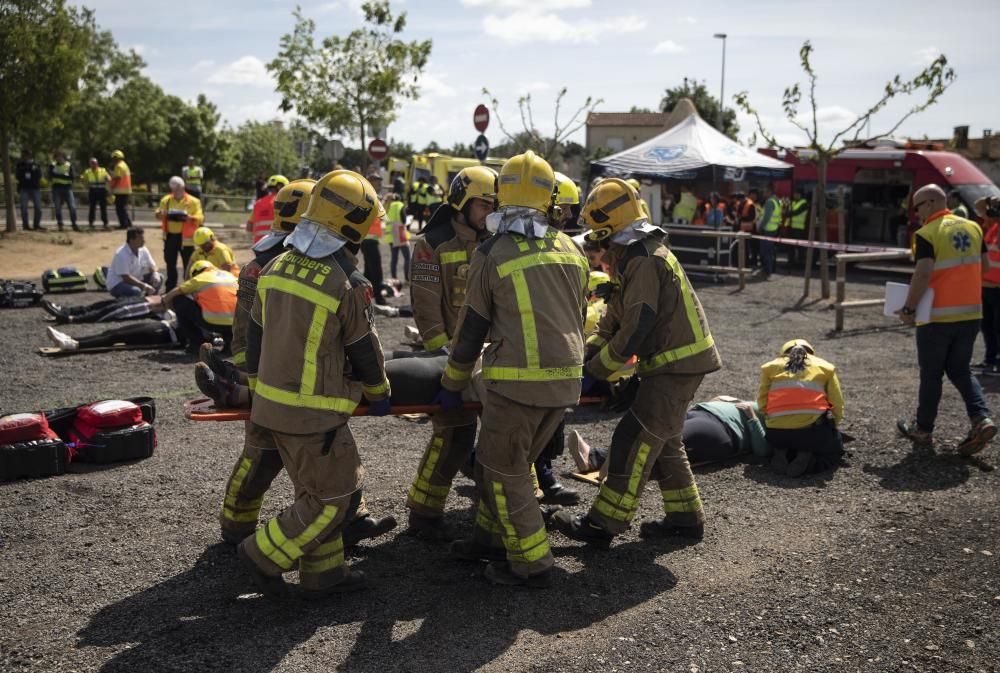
(438,277)
(309,313)
(527,297)
(792,400)
(654,314)
(244,301)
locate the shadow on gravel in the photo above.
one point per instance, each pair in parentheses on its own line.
(762,474)
(423,613)
(169,357)
(922,470)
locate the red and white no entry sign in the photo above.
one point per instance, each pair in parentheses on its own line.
(378,150)
(481,118)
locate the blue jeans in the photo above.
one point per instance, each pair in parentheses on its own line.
(768,262)
(61,195)
(123,289)
(945,349)
(35,197)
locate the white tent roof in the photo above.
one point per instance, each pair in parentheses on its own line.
(682,151)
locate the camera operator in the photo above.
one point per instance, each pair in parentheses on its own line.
(988,208)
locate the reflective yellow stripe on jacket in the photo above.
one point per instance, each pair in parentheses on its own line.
(702,341)
(324,305)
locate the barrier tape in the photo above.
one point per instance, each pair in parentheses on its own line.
(837,247)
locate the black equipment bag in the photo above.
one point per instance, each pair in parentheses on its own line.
(65,279)
(19,294)
(120,430)
(30,448)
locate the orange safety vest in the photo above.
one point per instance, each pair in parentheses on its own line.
(957,279)
(217,297)
(375,231)
(121,184)
(789,396)
(992,238)
(188,227)
(263,216)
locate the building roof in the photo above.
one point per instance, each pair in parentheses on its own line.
(627,119)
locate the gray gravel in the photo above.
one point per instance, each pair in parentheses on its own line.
(888,564)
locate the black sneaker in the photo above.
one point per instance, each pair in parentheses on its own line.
(224,393)
(558,494)
(663,528)
(354,580)
(212,357)
(54,310)
(432,529)
(468,549)
(580,527)
(499,573)
(366,528)
(269,585)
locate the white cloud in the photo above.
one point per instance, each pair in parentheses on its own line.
(668,47)
(434,85)
(689,19)
(533,26)
(926,55)
(262,111)
(144,50)
(246,70)
(834,116)
(537,5)
(203,64)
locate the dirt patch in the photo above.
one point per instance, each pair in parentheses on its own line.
(888,564)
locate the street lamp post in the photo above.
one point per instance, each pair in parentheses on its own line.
(722,86)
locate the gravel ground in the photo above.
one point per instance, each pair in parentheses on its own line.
(888,564)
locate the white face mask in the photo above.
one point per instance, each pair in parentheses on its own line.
(314,240)
(518,220)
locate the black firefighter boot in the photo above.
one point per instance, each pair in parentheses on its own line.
(269,585)
(580,527)
(366,528)
(665,529)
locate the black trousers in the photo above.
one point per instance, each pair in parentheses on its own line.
(144,334)
(991,324)
(172,246)
(373,266)
(121,210)
(127,308)
(543,465)
(98,197)
(191,326)
(822,438)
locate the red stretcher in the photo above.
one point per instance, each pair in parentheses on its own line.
(203,409)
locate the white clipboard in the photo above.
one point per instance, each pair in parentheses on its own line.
(895,299)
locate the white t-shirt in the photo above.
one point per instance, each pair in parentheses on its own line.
(135,264)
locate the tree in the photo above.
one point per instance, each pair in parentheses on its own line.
(931,82)
(349,84)
(40,67)
(533,139)
(706,105)
(261,148)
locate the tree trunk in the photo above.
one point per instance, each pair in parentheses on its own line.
(810,236)
(364,148)
(824,255)
(8,181)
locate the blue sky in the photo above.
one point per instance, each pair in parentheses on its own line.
(626,52)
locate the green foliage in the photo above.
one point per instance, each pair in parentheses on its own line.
(635,109)
(260,148)
(705,103)
(40,68)
(346,85)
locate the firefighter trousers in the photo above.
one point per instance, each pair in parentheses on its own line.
(511,439)
(450,446)
(649,440)
(326,472)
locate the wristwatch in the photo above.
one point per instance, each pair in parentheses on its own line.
(906,310)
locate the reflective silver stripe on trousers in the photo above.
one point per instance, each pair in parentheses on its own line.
(806,385)
(955,310)
(793,412)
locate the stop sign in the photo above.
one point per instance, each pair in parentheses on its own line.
(481,118)
(378,150)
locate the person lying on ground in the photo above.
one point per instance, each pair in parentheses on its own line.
(160,333)
(108,310)
(720,429)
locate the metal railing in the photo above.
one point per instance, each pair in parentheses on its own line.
(741,237)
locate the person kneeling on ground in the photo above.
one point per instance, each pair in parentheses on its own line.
(205,304)
(717,430)
(133,272)
(801,399)
(206,247)
(109,310)
(160,333)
